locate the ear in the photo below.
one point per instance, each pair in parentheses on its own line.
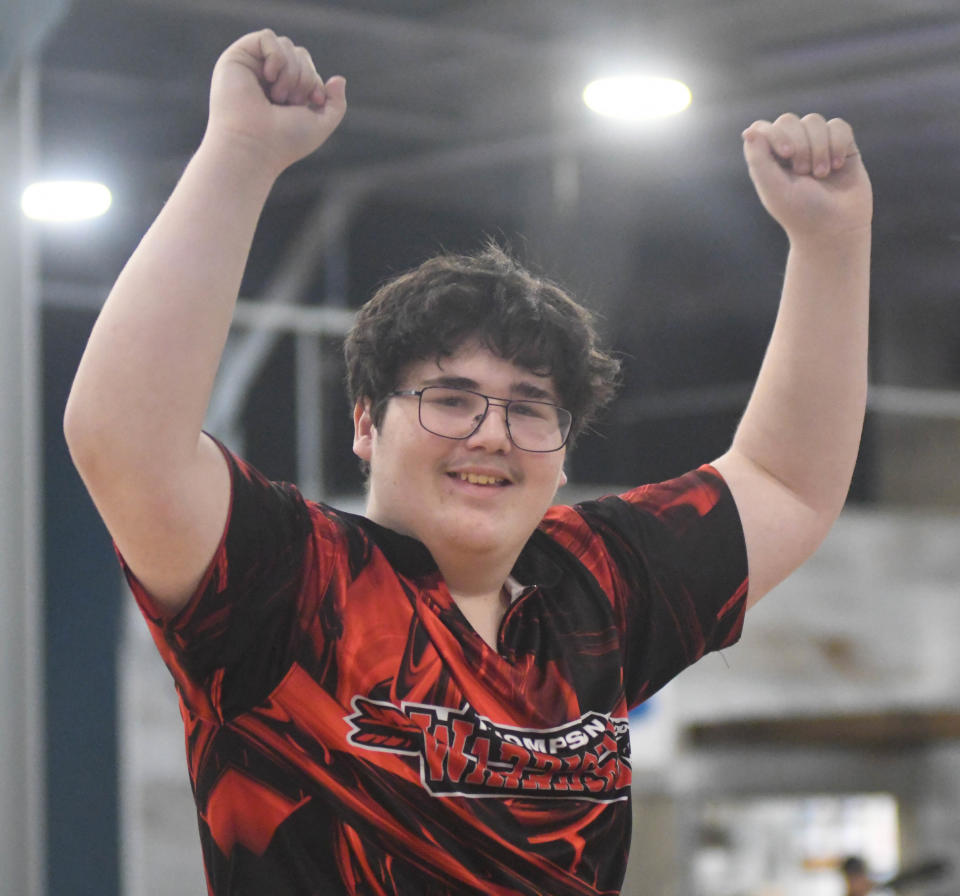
(363,430)
(562,480)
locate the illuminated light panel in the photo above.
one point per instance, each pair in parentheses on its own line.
(65,200)
(637,97)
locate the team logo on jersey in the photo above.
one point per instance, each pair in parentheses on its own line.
(464,754)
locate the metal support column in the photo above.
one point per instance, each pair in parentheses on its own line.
(21,650)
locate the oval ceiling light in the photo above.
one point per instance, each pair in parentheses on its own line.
(65,200)
(637,97)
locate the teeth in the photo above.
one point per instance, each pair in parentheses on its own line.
(479,479)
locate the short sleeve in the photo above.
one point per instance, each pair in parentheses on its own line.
(674,559)
(235,639)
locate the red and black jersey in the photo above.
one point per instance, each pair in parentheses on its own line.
(348,732)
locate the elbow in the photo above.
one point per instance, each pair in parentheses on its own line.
(72,423)
(92,436)
(79,433)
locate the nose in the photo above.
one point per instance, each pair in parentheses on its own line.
(492,432)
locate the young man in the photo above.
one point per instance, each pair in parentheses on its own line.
(432,699)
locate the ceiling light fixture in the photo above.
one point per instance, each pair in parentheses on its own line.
(65,200)
(637,97)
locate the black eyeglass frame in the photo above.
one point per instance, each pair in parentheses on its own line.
(498,402)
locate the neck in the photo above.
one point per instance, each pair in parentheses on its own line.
(484,612)
(469,574)
(467,571)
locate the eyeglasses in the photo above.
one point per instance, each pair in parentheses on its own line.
(458,413)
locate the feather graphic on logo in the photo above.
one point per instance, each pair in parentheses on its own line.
(382,726)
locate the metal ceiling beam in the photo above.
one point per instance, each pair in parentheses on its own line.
(780,25)
(411,31)
(245,355)
(906,46)
(136,90)
(25,26)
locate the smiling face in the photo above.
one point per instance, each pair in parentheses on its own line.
(473,502)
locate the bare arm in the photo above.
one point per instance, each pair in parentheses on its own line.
(792,457)
(134,416)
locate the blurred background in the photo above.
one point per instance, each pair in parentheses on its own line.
(834,727)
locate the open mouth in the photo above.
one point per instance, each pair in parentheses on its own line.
(480,479)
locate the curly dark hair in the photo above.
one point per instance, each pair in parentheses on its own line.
(449,300)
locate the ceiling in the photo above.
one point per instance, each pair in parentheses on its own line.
(465,118)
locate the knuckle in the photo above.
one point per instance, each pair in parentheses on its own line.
(841,128)
(304,60)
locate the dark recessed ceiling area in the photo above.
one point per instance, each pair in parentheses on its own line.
(465,120)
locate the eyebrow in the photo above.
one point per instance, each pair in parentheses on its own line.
(521,388)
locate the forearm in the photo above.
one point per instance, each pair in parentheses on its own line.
(804,420)
(145,379)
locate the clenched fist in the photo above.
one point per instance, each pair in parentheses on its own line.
(267,97)
(809,175)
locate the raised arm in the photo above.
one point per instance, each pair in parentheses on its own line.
(792,457)
(134,415)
